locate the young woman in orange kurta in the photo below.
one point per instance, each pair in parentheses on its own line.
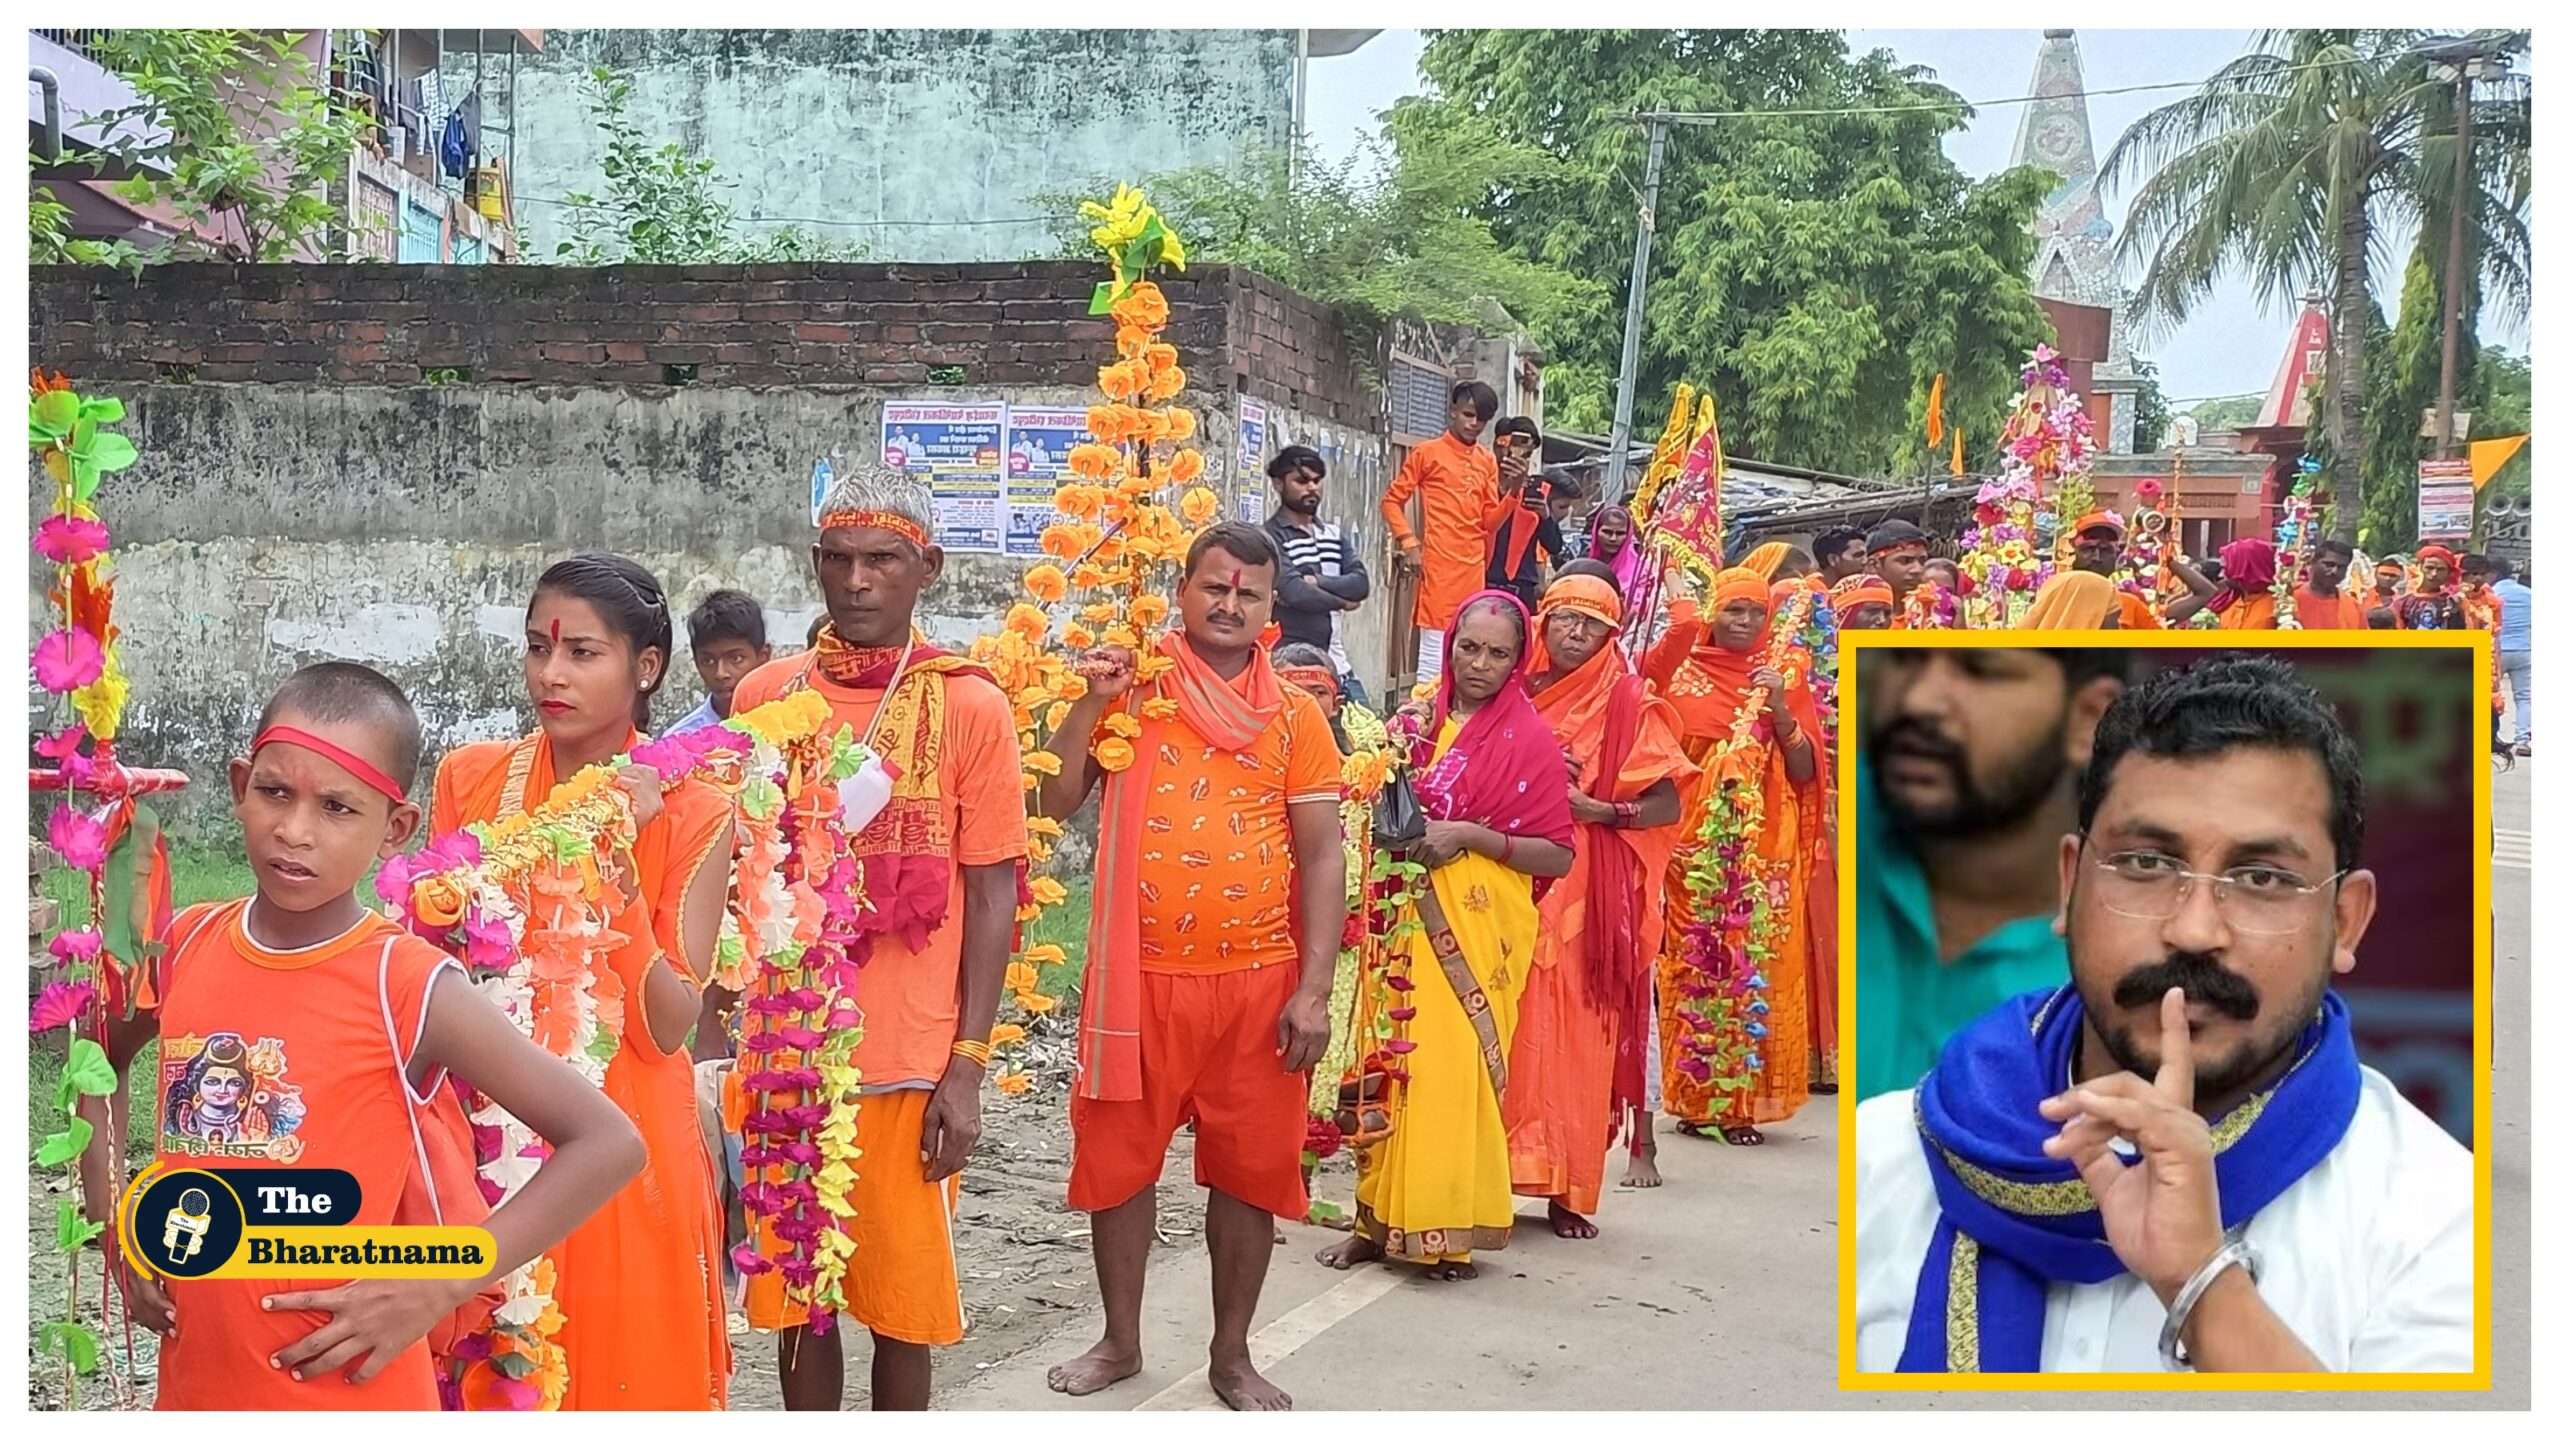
(638,1285)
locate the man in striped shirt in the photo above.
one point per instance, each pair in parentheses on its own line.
(1320,570)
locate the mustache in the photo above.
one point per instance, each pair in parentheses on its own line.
(1917,737)
(2201,976)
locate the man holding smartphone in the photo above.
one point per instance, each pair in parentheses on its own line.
(1527,527)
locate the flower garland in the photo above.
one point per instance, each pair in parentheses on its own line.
(1366,767)
(522,899)
(1735,897)
(80,663)
(1928,607)
(1125,524)
(2046,450)
(1374,1086)
(2297,534)
(2146,549)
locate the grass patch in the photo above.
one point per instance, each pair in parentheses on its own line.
(1064,925)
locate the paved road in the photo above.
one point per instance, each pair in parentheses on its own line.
(1716,1291)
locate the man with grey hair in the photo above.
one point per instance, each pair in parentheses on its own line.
(941,866)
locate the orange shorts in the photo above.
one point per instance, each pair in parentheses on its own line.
(1211,1050)
(903,1281)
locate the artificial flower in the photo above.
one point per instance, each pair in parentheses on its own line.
(1046,584)
(1115,755)
(1199,505)
(68,660)
(75,839)
(70,540)
(1186,467)
(1014,1082)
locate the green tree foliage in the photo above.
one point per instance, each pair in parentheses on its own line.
(662,204)
(242,147)
(1813,272)
(1391,231)
(2290,168)
(2226,412)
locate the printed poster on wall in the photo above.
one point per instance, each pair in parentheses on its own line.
(1253,450)
(1037,441)
(959,447)
(2444,499)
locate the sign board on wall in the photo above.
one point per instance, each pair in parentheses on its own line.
(2444,499)
(1253,449)
(958,446)
(1036,445)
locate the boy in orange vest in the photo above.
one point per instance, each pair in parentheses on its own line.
(300,1031)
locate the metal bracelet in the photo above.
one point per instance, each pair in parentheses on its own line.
(2173,1346)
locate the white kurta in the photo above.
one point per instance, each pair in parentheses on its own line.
(2367,1258)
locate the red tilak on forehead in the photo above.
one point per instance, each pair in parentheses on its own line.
(555,629)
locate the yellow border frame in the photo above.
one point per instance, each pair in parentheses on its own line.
(1853,643)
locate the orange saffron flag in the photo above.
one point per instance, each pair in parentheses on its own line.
(1937,410)
(1955,464)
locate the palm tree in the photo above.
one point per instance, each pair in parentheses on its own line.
(2292,164)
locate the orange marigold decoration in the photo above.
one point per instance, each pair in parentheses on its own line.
(1125,523)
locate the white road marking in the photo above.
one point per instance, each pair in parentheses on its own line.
(1285,1336)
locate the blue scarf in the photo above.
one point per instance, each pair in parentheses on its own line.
(1983,1137)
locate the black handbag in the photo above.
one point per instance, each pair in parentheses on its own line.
(1396,822)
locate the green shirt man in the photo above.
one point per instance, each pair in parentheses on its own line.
(1910,1001)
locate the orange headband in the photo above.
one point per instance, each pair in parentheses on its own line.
(1313,677)
(1862,590)
(889,520)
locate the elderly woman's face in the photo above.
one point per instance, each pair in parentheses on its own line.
(1739,622)
(1573,638)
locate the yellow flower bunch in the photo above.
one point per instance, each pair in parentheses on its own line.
(1126,519)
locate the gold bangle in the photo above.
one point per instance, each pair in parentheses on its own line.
(978,1050)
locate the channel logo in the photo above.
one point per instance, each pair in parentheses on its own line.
(226,1224)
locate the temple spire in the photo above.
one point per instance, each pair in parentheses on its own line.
(2054,133)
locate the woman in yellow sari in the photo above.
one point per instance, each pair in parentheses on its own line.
(1707,666)
(1491,778)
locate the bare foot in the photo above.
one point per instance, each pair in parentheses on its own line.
(1099,1368)
(1642,1173)
(1452,1270)
(1567,1225)
(1243,1388)
(1343,1254)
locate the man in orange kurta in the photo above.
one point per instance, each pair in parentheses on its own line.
(940,867)
(1578,1054)
(2097,547)
(1218,902)
(2319,602)
(1458,482)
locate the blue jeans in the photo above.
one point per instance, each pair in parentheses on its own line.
(2519,667)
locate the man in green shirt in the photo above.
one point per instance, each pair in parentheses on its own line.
(1969,766)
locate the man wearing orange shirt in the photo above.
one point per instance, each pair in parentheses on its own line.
(2318,602)
(2097,546)
(940,868)
(1463,502)
(1217,909)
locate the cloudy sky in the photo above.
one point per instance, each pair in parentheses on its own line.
(2229,346)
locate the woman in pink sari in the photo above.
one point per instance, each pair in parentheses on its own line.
(1491,777)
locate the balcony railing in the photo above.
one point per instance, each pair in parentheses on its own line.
(78,42)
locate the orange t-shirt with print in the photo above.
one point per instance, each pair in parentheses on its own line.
(282,1060)
(1217,889)
(911,998)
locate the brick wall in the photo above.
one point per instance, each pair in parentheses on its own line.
(1293,351)
(757,325)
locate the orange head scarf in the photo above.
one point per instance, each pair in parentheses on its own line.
(1861,590)
(2076,600)
(1580,595)
(1765,560)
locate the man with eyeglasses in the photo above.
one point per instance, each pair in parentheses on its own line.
(1968,774)
(2175,1161)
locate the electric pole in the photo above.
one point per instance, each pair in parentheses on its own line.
(2459,62)
(1620,428)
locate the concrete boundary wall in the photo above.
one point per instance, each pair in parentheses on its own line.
(305,492)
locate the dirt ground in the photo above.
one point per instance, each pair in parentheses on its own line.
(1025,1263)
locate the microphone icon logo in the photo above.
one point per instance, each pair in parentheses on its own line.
(182,1234)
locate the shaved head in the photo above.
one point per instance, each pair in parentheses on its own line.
(346,693)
